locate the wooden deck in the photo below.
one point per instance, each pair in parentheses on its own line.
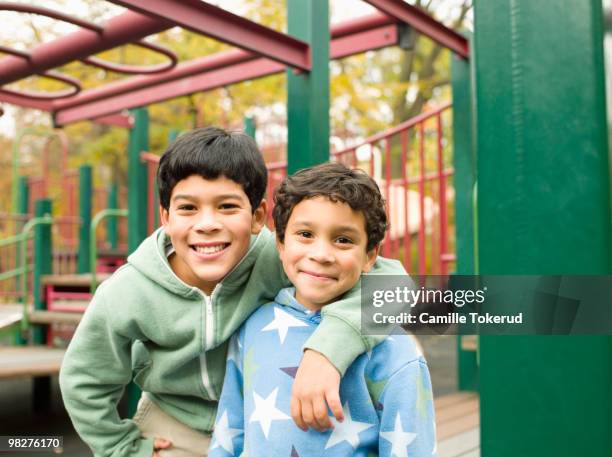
(28,361)
(458,425)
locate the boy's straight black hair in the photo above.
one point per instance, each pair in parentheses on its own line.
(211,152)
(339,184)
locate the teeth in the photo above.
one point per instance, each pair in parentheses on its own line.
(209,249)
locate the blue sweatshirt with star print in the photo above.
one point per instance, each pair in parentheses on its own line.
(386,393)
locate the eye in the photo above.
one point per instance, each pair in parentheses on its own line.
(344,240)
(186,207)
(304,234)
(228,206)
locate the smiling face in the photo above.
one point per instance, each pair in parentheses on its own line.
(324,250)
(210,223)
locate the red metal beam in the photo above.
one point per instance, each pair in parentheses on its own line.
(425,24)
(25,102)
(117,120)
(125,28)
(209,20)
(242,70)
(208,63)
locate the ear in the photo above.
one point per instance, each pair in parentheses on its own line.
(259,217)
(371,256)
(164,216)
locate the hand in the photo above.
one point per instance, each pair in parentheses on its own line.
(316,386)
(160,443)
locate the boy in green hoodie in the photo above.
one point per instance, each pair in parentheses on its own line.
(164,318)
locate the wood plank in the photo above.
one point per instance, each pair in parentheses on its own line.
(469,343)
(456,410)
(446,400)
(29,361)
(459,445)
(54,317)
(10,314)
(456,426)
(76,280)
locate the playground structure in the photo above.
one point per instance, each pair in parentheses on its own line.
(506,119)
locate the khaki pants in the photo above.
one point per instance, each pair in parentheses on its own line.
(155,423)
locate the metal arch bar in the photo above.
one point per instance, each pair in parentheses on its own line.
(124,28)
(19,7)
(15,52)
(240,66)
(200,17)
(342,34)
(424,23)
(75,83)
(137,69)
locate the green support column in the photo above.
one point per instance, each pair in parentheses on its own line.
(464,180)
(249,126)
(43,261)
(543,208)
(308,92)
(137,206)
(112,234)
(137,179)
(85,198)
(23,203)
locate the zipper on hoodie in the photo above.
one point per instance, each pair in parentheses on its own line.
(209,338)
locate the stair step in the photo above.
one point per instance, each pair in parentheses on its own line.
(54,317)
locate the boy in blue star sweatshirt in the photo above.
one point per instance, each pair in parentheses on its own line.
(329,223)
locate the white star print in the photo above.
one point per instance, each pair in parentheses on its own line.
(282,321)
(224,434)
(398,438)
(348,430)
(266,411)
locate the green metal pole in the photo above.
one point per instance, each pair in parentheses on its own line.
(23,203)
(112,234)
(543,208)
(137,206)
(43,261)
(137,179)
(464,179)
(85,198)
(249,126)
(308,92)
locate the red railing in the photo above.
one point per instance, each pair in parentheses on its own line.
(412,169)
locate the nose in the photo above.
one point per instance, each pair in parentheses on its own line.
(321,252)
(207,222)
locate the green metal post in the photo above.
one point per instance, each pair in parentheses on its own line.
(308,92)
(543,208)
(249,126)
(137,206)
(43,260)
(464,180)
(23,204)
(112,234)
(137,179)
(85,198)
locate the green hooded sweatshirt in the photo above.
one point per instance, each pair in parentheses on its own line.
(145,323)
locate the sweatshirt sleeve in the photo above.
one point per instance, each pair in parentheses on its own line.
(95,370)
(339,336)
(228,436)
(407,425)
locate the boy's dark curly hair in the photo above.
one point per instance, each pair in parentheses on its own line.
(339,184)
